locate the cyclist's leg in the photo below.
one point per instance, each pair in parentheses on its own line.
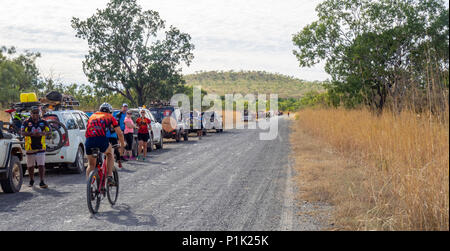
(91,165)
(112,142)
(110,160)
(91,143)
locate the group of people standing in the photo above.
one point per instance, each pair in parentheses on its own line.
(127,125)
(120,126)
(103,132)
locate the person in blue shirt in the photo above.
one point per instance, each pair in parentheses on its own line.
(113,140)
(120,117)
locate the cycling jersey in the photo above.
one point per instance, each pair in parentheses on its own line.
(99,123)
(142,123)
(35,144)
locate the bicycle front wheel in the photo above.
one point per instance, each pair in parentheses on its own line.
(93,192)
(113,191)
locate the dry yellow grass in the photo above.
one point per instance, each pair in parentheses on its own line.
(236,117)
(396,173)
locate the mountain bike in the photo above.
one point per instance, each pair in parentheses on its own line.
(57,138)
(98,186)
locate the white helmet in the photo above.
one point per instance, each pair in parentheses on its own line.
(105,107)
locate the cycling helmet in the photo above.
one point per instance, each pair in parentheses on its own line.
(105,107)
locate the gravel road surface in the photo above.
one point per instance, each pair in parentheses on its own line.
(227,181)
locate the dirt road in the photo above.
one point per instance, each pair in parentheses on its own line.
(226,181)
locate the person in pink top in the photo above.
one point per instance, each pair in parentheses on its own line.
(129,131)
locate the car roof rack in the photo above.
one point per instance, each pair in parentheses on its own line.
(25,106)
(159,103)
(67,103)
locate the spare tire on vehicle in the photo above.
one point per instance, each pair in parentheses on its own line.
(169,124)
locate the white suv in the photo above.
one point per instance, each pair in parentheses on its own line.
(72,154)
(213,120)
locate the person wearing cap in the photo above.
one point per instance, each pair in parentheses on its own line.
(121,116)
(35,130)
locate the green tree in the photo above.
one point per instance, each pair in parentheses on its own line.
(375,50)
(18,73)
(131,52)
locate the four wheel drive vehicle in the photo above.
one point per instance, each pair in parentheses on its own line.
(71,154)
(196,124)
(261,115)
(174,121)
(213,120)
(156,132)
(246,116)
(11,153)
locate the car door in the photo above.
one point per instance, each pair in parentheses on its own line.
(156,127)
(74,136)
(81,126)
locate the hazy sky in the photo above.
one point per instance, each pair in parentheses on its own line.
(227,34)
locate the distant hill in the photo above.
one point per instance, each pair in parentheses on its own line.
(244,82)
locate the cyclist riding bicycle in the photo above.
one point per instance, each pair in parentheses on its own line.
(97,127)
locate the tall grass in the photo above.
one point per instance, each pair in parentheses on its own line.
(403,163)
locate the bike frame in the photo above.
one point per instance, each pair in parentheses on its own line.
(102,169)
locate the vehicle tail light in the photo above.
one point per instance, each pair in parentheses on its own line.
(67,142)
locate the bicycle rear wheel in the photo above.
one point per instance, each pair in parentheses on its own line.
(58,137)
(113,191)
(93,192)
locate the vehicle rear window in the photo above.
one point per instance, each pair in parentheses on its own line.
(161,113)
(135,115)
(70,121)
(79,121)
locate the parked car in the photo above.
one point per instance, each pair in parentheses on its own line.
(261,115)
(175,122)
(11,153)
(72,154)
(213,120)
(196,124)
(156,132)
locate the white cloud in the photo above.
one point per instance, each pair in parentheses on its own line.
(228,34)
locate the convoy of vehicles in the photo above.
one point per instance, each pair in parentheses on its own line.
(65,146)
